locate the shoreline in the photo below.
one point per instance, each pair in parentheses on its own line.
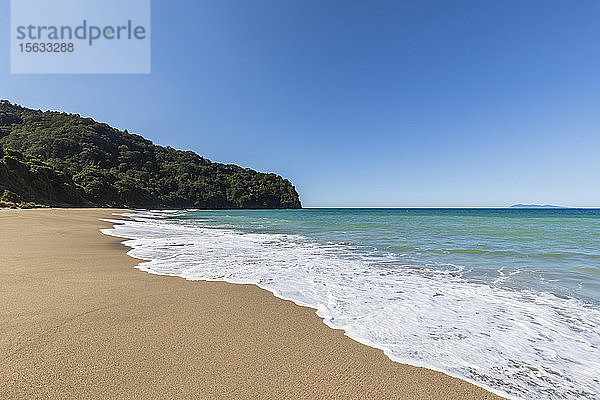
(85,323)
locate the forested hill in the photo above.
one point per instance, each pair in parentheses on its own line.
(62,159)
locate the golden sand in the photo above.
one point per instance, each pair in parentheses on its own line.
(77,321)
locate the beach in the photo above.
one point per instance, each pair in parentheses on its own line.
(77,320)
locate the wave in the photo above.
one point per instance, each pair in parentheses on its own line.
(517,343)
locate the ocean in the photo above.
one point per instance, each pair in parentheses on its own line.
(508,299)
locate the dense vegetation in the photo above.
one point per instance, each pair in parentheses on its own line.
(55,158)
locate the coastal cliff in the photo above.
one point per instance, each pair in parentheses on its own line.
(59,159)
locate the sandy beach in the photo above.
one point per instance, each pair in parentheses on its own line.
(77,320)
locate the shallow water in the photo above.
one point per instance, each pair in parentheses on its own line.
(506,298)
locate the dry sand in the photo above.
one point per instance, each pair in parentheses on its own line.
(78,321)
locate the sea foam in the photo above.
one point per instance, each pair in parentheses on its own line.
(517,343)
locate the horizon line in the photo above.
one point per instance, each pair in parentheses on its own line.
(458,207)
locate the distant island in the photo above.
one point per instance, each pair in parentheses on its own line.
(58,159)
(535,206)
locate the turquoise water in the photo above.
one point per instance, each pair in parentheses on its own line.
(554,250)
(506,298)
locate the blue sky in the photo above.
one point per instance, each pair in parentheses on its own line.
(378,103)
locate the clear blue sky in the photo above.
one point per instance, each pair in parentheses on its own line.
(365,103)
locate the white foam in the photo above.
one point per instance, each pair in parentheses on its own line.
(520,344)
